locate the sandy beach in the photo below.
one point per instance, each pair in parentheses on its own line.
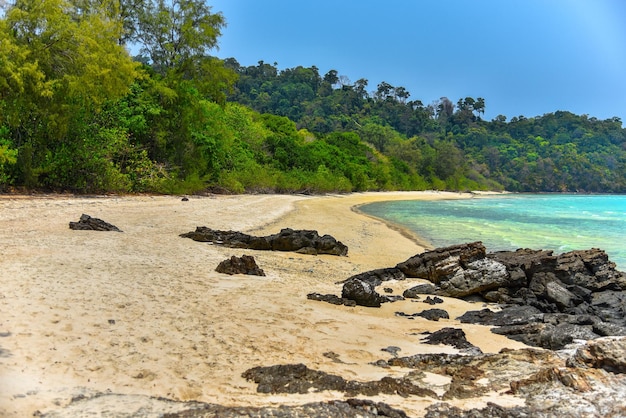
(144,312)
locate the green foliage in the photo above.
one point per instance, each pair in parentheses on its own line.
(77,113)
(8,157)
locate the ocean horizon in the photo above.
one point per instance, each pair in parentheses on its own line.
(558,222)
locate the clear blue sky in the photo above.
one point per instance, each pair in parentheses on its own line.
(524,57)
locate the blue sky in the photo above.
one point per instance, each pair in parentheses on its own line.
(524,57)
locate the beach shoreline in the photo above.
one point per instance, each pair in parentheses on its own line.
(143,312)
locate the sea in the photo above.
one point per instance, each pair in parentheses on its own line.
(558,222)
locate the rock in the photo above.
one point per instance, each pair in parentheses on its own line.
(492,410)
(432,301)
(378,276)
(475,277)
(449,336)
(333,299)
(430,314)
(302,241)
(514,315)
(590,269)
(421,289)
(362,292)
(297,378)
(240,265)
(558,336)
(604,353)
(434,314)
(87,223)
(117,405)
(442,263)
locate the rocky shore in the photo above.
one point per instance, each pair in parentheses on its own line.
(147,323)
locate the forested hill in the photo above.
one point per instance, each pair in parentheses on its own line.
(78,113)
(445,141)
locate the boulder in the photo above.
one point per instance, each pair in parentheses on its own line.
(362,292)
(604,353)
(443,263)
(240,265)
(420,289)
(378,276)
(302,241)
(87,223)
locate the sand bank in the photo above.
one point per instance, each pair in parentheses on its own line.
(143,312)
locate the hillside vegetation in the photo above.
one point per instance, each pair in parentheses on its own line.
(78,113)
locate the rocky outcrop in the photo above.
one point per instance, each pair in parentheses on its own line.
(548,300)
(116,405)
(87,223)
(421,289)
(450,336)
(297,378)
(301,241)
(240,265)
(332,299)
(430,314)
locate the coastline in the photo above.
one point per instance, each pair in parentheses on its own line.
(144,313)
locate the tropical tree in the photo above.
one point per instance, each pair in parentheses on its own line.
(60,63)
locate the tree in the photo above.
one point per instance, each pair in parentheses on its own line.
(177,36)
(174,34)
(62,62)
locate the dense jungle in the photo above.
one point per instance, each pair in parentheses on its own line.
(126,96)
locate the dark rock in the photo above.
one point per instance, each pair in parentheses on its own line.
(117,405)
(430,314)
(303,241)
(580,293)
(609,306)
(362,292)
(297,378)
(432,301)
(442,263)
(87,223)
(434,314)
(449,336)
(240,265)
(333,299)
(492,410)
(590,269)
(514,315)
(378,276)
(421,289)
(558,336)
(388,290)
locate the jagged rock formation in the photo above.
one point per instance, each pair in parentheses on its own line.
(87,223)
(298,378)
(300,241)
(240,265)
(548,300)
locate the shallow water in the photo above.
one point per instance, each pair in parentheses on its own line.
(557,222)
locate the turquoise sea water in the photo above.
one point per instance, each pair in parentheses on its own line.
(557,222)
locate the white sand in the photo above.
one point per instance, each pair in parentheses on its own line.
(144,312)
